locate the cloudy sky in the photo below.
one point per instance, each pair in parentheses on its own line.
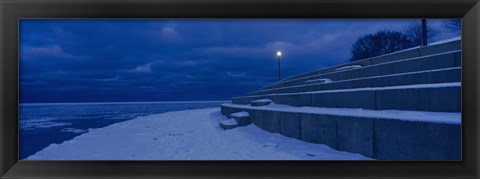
(179,59)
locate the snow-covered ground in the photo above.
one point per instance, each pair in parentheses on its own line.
(186,135)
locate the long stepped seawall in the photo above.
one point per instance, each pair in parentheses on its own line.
(434,48)
(400,106)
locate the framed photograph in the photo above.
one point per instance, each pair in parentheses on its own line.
(239,89)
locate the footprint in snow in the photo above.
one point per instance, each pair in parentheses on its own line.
(270,145)
(313,154)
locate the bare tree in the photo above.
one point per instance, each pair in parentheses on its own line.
(414,33)
(454,25)
(382,42)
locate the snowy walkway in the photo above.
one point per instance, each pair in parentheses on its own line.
(186,135)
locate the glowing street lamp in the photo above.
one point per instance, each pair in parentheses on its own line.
(279,55)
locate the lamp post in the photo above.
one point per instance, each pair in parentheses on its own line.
(279,55)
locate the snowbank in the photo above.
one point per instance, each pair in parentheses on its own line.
(186,135)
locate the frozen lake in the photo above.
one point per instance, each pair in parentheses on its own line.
(45,124)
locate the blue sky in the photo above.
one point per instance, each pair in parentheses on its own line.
(179,59)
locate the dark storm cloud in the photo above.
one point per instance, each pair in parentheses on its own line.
(156,60)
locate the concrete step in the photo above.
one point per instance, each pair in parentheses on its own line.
(385,135)
(242,118)
(451,45)
(432,62)
(423,77)
(228,124)
(441,97)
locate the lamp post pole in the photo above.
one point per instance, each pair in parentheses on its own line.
(279,54)
(424,32)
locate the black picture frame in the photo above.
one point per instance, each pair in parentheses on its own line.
(12,10)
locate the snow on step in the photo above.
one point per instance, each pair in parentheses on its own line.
(261,102)
(349,67)
(445,41)
(323,80)
(240,114)
(228,124)
(242,118)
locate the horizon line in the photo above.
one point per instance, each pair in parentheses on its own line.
(124,102)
